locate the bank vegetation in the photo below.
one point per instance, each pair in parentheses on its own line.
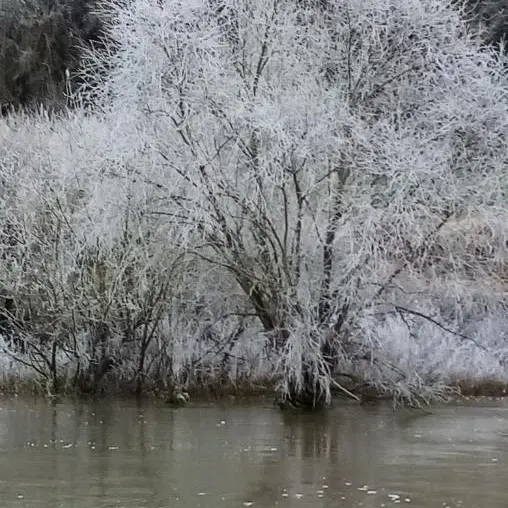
(301,196)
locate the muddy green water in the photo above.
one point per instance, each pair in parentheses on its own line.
(123,454)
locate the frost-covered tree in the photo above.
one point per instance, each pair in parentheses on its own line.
(321,155)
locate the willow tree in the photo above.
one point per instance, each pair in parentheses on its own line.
(314,151)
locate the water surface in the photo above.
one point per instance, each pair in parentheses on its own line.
(123,454)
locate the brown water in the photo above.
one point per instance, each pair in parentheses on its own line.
(123,454)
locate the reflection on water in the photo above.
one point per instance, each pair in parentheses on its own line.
(127,455)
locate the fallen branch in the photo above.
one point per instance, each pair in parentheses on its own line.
(345,390)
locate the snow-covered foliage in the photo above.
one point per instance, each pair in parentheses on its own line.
(270,188)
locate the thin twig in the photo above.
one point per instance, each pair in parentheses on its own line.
(440,325)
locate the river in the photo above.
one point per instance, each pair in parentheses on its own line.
(123,454)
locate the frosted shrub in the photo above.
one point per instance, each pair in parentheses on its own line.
(96,290)
(89,279)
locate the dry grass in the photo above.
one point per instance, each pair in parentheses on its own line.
(482,387)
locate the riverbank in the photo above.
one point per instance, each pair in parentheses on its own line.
(458,391)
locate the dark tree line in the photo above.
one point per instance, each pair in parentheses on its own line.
(42,43)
